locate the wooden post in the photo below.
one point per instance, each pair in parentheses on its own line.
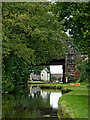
(64,74)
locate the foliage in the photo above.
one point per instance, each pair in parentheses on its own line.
(31,35)
(75,17)
(15,71)
(53,78)
(84,68)
(38,69)
(32,27)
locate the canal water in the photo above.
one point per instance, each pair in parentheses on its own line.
(31,102)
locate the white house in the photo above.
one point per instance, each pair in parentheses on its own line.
(45,75)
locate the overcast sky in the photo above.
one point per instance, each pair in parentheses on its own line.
(56,69)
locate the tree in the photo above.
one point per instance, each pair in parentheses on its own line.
(31,35)
(75,17)
(84,68)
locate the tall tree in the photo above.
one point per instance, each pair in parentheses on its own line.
(75,17)
(32,27)
(31,35)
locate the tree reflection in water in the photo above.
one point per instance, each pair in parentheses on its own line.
(34,103)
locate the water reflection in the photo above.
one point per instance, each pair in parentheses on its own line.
(35,103)
(34,91)
(54,97)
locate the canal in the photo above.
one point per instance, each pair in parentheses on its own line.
(31,102)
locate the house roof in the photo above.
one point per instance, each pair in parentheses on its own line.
(46,70)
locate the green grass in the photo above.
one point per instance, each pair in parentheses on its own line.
(34,82)
(75,102)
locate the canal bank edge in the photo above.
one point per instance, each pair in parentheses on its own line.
(63,106)
(75,90)
(63,112)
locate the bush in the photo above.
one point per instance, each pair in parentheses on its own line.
(84,68)
(53,78)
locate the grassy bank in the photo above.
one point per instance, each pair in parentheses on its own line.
(35,82)
(47,85)
(74,104)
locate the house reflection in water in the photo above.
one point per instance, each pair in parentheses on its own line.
(34,91)
(51,97)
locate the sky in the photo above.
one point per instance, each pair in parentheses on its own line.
(56,69)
